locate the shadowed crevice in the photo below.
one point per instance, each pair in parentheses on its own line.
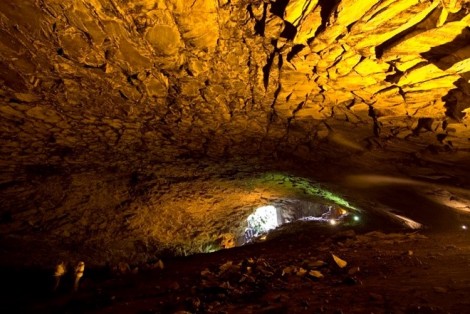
(377,124)
(423,123)
(260,25)
(294,51)
(267,69)
(279,7)
(289,31)
(327,7)
(457,99)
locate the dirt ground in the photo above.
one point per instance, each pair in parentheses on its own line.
(399,272)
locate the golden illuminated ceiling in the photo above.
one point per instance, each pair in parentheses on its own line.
(126,82)
(130,126)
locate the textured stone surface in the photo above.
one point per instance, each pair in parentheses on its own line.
(183,209)
(118,85)
(117,81)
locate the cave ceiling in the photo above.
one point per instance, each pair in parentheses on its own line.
(125,82)
(132,126)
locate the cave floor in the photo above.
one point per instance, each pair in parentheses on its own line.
(399,272)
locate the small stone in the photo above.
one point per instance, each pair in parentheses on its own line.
(315,274)
(287,270)
(160,264)
(123,268)
(340,262)
(353,270)
(301,272)
(206,272)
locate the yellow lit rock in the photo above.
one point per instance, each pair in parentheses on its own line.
(425,41)
(44,114)
(388,20)
(340,262)
(346,13)
(163,91)
(164,36)
(309,26)
(431,84)
(296,10)
(347,62)
(274,27)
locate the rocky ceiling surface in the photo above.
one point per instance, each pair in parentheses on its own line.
(143,90)
(102,81)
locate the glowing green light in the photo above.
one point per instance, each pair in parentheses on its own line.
(298,186)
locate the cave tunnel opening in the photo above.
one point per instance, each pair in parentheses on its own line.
(265,219)
(239,209)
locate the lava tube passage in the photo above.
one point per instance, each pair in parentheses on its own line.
(290,199)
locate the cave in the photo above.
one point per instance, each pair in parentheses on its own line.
(235,156)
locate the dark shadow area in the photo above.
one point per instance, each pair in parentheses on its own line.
(260,25)
(289,31)
(407,202)
(275,276)
(279,7)
(457,99)
(11,78)
(395,77)
(423,123)
(267,69)
(327,7)
(294,51)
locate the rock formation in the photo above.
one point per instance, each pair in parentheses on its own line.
(96,87)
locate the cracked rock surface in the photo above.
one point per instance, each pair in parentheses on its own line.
(105,82)
(102,103)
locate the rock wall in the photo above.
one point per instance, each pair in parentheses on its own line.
(112,217)
(95,94)
(126,82)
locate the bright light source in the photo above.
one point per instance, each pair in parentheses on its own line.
(464,227)
(333,222)
(263,219)
(356,218)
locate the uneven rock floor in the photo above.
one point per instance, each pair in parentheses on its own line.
(397,272)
